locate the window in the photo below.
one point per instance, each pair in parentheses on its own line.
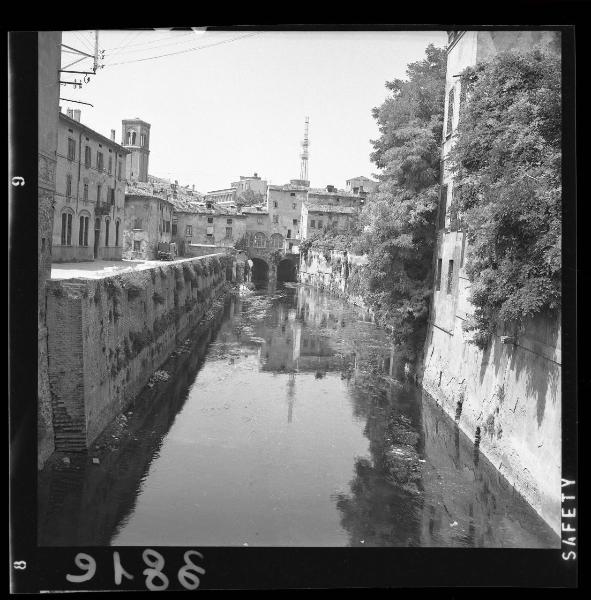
(275,218)
(167,226)
(131,138)
(293,205)
(87,157)
(260,240)
(450,112)
(68,185)
(450,276)
(259,220)
(99,161)
(143,139)
(116,233)
(66,229)
(442,206)
(85,192)
(295,221)
(438,277)
(107,226)
(137,246)
(276,241)
(174,228)
(111,196)
(71,149)
(210,219)
(229,221)
(313,223)
(292,194)
(319,223)
(189,230)
(137,223)
(228,232)
(119,170)
(83,231)
(98,194)
(110,164)
(275,204)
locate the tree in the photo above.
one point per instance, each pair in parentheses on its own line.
(399,218)
(249,198)
(507,188)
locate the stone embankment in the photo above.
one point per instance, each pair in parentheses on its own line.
(106,337)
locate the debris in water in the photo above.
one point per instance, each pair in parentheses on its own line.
(96,461)
(66,460)
(453,524)
(158,376)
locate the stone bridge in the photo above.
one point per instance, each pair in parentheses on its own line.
(273,264)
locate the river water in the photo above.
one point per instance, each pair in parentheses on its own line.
(285,421)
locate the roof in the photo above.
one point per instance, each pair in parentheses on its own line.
(255,210)
(96,134)
(329,208)
(182,205)
(362,177)
(325,192)
(288,187)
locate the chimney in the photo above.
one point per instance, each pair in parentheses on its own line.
(112,134)
(70,113)
(255,175)
(330,188)
(77,115)
(193,187)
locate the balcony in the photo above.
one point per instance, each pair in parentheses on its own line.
(102,208)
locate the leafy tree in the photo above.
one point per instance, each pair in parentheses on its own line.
(399,218)
(507,188)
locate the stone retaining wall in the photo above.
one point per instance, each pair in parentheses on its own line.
(107,336)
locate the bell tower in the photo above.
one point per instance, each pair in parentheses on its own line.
(136,138)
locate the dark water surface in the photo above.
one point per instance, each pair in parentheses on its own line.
(285,422)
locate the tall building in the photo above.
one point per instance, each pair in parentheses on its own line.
(136,138)
(90,193)
(49,55)
(498,395)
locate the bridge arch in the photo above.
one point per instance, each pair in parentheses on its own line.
(260,270)
(287,270)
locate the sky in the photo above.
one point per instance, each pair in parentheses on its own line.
(232,103)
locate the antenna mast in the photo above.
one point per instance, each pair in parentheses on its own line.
(304,154)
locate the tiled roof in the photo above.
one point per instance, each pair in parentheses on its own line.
(325,192)
(329,208)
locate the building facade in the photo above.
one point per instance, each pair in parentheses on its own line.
(148,222)
(135,137)
(317,218)
(49,54)
(361,185)
(284,205)
(254,184)
(90,193)
(474,385)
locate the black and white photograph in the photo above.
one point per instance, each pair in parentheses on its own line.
(299,288)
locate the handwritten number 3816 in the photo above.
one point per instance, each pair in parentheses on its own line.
(156,579)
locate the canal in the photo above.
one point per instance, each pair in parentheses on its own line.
(284,420)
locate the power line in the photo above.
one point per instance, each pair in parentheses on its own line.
(148,41)
(184,51)
(144,48)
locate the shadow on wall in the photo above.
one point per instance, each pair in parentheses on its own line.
(542,372)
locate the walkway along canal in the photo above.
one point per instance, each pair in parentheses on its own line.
(283,421)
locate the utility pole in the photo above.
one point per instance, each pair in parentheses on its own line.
(96,51)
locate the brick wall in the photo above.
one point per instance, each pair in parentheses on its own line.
(107,336)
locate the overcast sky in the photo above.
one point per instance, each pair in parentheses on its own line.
(239,106)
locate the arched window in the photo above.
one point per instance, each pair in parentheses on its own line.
(276,240)
(131,137)
(260,240)
(142,140)
(107,224)
(66,237)
(117,232)
(83,230)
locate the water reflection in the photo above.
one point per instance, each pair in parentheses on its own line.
(286,421)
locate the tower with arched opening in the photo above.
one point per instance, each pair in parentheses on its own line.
(136,138)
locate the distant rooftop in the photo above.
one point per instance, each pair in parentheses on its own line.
(330,208)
